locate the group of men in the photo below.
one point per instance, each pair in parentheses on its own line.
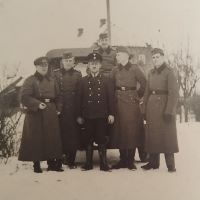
(107,103)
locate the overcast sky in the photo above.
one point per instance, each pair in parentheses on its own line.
(29,28)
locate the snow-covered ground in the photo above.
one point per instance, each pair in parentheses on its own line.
(18,182)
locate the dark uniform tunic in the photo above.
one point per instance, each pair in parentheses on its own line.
(95,102)
(70,131)
(41,135)
(161,97)
(128,120)
(108,59)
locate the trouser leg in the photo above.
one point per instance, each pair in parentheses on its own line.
(155,159)
(154,162)
(71,159)
(123,154)
(51,163)
(130,155)
(142,154)
(100,133)
(103,158)
(130,159)
(123,159)
(37,167)
(170,161)
(89,158)
(89,130)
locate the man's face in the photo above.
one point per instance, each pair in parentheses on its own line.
(94,66)
(104,43)
(68,63)
(122,57)
(158,59)
(42,68)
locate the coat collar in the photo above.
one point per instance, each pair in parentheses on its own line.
(89,76)
(108,50)
(159,69)
(126,67)
(40,77)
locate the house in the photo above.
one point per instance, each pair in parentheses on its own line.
(139,55)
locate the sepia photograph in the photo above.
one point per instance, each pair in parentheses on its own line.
(99,99)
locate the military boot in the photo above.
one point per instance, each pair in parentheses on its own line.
(53,165)
(130,159)
(170,162)
(71,160)
(37,167)
(154,162)
(103,158)
(89,159)
(123,160)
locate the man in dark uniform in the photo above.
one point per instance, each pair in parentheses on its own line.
(160,100)
(126,135)
(68,79)
(95,101)
(108,54)
(41,140)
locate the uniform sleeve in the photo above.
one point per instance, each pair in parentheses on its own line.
(59,97)
(146,96)
(113,73)
(142,80)
(172,94)
(79,98)
(110,96)
(27,95)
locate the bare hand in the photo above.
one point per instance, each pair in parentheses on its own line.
(42,106)
(80,120)
(111,119)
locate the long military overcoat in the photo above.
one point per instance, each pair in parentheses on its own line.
(108,59)
(161,136)
(128,126)
(41,135)
(70,130)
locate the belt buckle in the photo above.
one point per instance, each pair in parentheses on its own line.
(46,100)
(153,92)
(123,88)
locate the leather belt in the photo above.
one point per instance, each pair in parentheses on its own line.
(47,100)
(158,92)
(124,88)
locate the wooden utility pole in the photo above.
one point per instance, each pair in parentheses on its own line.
(108,20)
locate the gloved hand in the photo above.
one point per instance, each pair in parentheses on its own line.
(167,117)
(80,120)
(111,119)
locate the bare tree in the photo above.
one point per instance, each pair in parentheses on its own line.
(188,76)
